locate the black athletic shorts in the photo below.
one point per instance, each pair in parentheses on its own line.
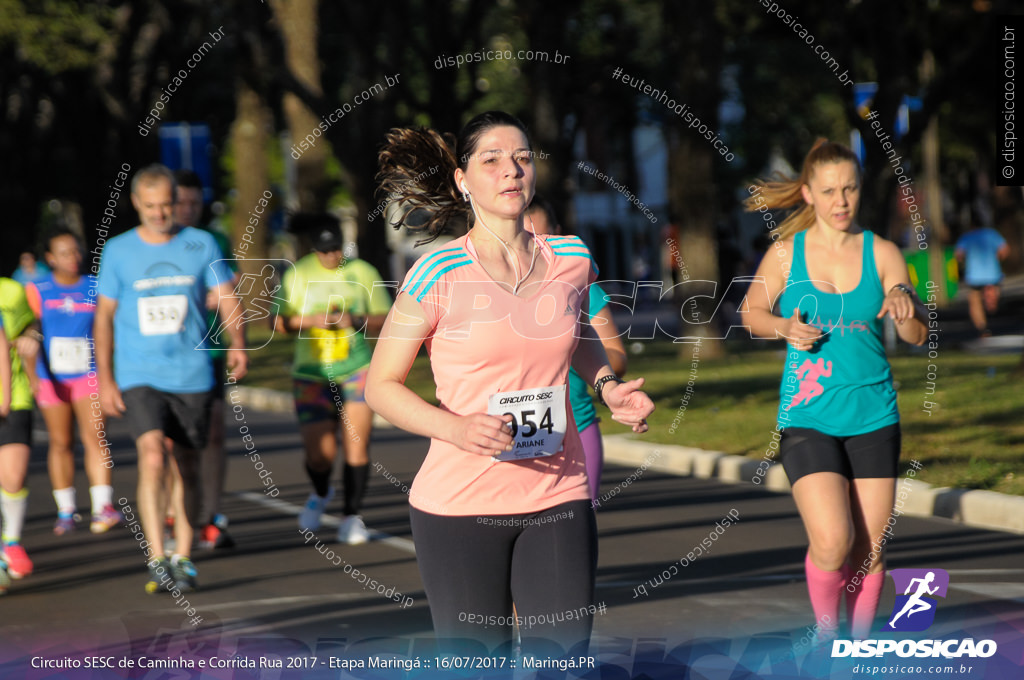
(16,428)
(185,418)
(873,454)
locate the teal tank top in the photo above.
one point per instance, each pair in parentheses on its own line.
(843,386)
(582,405)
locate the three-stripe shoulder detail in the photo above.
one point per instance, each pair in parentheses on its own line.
(571,246)
(431,268)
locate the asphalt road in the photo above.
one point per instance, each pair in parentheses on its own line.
(733,612)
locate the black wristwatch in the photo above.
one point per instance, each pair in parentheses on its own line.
(599,385)
(904,288)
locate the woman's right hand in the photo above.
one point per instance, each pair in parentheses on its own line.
(483,434)
(801,336)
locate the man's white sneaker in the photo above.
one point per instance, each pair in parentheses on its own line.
(352,531)
(310,516)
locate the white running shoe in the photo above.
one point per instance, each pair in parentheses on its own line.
(352,531)
(309,518)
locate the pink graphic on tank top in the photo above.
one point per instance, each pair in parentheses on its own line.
(809,373)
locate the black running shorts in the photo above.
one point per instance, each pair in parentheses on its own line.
(185,418)
(16,428)
(873,454)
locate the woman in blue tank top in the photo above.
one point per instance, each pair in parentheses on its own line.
(831,283)
(66,389)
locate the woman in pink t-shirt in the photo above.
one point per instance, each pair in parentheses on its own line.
(500,508)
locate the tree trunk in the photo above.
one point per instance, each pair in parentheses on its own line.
(692,159)
(298,21)
(249,229)
(933,194)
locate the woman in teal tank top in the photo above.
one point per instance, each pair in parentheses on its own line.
(542,216)
(831,284)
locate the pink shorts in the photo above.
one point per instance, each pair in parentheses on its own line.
(56,392)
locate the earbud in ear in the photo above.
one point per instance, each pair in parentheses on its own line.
(464,189)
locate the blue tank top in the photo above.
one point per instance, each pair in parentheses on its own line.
(843,386)
(66,315)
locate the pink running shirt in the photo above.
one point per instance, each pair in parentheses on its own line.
(486,340)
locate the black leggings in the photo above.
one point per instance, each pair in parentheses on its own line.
(475,567)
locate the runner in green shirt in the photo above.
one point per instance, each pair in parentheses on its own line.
(15,428)
(332,302)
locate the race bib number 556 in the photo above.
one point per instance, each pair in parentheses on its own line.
(538,420)
(162,314)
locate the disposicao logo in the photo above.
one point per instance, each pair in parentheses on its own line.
(915,608)
(914,611)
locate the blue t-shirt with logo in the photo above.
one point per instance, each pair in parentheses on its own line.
(160,325)
(981,247)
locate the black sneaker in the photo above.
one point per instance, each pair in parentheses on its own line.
(184,574)
(161,577)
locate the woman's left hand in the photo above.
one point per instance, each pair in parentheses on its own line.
(898,305)
(628,404)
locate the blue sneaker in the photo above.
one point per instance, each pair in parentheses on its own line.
(65,524)
(310,516)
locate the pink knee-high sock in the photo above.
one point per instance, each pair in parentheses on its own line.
(825,589)
(862,604)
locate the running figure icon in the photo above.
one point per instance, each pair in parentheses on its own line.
(261,298)
(915,603)
(809,374)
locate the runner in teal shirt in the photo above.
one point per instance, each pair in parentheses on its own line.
(832,284)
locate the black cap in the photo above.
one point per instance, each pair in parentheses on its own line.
(327,238)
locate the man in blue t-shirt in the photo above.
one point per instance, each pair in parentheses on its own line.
(980,250)
(151,359)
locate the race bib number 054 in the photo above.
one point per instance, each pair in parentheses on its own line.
(162,314)
(538,420)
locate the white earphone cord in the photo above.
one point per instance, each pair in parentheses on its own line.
(511,254)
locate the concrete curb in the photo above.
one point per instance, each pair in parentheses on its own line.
(275,401)
(982,509)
